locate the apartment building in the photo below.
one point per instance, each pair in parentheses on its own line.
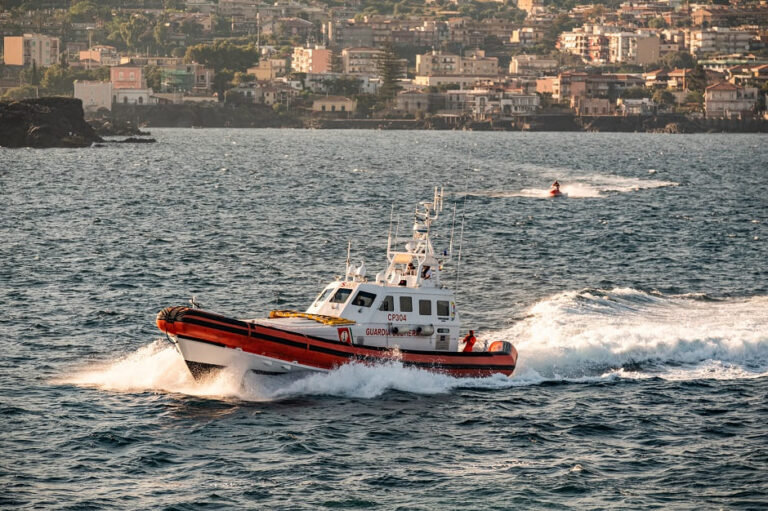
(719,40)
(532,65)
(361,61)
(438,63)
(28,49)
(316,59)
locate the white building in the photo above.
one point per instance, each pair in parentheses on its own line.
(94,95)
(719,40)
(133,97)
(728,100)
(438,63)
(535,65)
(361,61)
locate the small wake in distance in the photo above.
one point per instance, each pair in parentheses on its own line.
(577,336)
(584,187)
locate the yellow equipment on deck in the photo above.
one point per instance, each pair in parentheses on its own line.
(320,318)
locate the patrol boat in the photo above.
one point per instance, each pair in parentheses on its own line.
(406,313)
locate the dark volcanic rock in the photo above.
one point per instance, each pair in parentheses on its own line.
(107,128)
(45,122)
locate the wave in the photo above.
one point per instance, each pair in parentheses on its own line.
(158,367)
(630,333)
(583,187)
(578,336)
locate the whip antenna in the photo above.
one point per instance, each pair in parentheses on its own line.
(463,214)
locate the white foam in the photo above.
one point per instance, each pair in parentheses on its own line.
(157,367)
(592,334)
(578,336)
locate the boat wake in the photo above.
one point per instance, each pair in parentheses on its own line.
(626,333)
(584,187)
(578,336)
(157,367)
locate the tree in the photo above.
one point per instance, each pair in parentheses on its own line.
(658,23)
(224,55)
(24,92)
(191,29)
(83,11)
(154,77)
(697,98)
(663,97)
(635,93)
(222,81)
(390,70)
(698,80)
(31,75)
(241,77)
(678,60)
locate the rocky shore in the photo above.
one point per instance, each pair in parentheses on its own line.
(45,122)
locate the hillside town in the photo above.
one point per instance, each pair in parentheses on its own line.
(441,63)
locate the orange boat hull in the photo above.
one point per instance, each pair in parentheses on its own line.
(284,349)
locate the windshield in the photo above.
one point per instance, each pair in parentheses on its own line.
(323,296)
(341,296)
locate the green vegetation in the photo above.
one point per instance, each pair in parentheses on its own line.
(678,60)
(224,55)
(226,59)
(389,70)
(56,80)
(487,10)
(663,98)
(635,93)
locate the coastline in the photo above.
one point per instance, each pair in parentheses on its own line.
(258,116)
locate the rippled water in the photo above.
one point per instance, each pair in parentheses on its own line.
(638,306)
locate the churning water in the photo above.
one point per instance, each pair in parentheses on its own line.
(638,306)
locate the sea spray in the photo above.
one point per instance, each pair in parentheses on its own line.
(593,332)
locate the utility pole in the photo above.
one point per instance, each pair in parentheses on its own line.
(90,44)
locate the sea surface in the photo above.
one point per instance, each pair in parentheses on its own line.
(638,305)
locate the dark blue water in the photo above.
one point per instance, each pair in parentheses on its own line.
(639,307)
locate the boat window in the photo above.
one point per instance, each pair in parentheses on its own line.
(442,308)
(425,307)
(406,304)
(341,295)
(323,296)
(387,304)
(443,331)
(364,299)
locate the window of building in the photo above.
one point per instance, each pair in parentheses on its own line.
(343,108)
(425,307)
(341,295)
(364,299)
(323,107)
(387,304)
(125,99)
(120,75)
(406,304)
(443,308)
(141,100)
(333,108)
